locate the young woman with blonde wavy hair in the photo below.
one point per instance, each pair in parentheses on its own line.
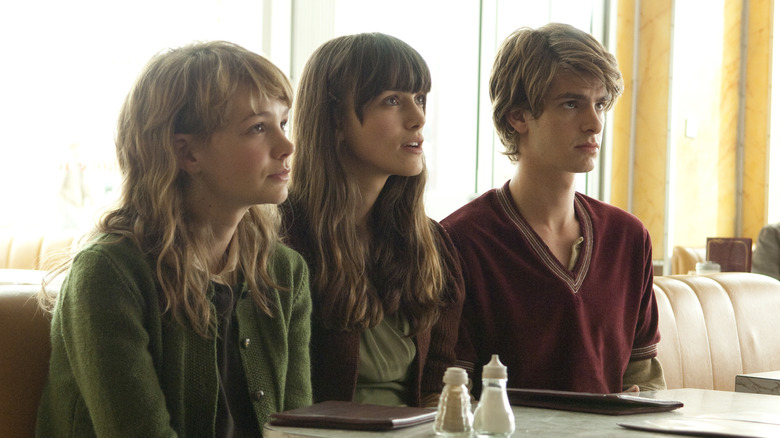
(387,292)
(183,314)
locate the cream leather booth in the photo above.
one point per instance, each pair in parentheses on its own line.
(24,359)
(684,259)
(713,327)
(31,251)
(716,326)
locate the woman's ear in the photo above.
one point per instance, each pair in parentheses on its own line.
(518,119)
(184,145)
(338,127)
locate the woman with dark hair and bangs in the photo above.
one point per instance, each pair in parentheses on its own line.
(385,281)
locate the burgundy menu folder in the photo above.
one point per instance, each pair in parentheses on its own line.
(734,254)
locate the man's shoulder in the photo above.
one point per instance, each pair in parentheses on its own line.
(471,211)
(770,229)
(606,214)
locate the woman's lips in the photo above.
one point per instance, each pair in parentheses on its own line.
(284,175)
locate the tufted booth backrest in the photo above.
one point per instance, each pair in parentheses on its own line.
(24,359)
(684,259)
(713,327)
(716,326)
(31,251)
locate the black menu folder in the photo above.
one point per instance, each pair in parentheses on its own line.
(353,416)
(609,404)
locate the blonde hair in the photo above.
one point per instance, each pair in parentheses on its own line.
(527,62)
(353,286)
(187,90)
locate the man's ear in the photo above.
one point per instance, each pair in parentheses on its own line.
(185,145)
(518,119)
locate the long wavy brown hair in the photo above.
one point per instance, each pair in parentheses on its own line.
(186,91)
(355,285)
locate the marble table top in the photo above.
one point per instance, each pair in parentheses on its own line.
(556,423)
(759,383)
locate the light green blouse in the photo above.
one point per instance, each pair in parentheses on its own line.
(386,355)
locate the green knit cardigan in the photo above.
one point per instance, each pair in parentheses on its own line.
(120,367)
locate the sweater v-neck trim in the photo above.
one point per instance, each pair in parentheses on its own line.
(574,278)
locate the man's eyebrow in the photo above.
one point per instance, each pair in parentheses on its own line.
(577,96)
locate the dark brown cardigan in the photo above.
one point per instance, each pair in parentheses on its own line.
(334,354)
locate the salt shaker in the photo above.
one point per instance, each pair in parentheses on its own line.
(707,267)
(494,417)
(454,418)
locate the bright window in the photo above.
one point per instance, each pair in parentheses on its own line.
(68,66)
(458,42)
(773,192)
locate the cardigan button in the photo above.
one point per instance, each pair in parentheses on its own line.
(258,395)
(245,342)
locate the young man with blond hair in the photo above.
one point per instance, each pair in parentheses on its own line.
(559,285)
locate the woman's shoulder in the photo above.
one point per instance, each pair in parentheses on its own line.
(285,258)
(443,239)
(295,231)
(113,254)
(289,270)
(110,262)
(114,247)
(284,253)
(449,256)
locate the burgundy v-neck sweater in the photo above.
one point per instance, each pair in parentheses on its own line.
(554,328)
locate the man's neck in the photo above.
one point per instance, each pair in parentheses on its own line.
(547,204)
(543,198)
